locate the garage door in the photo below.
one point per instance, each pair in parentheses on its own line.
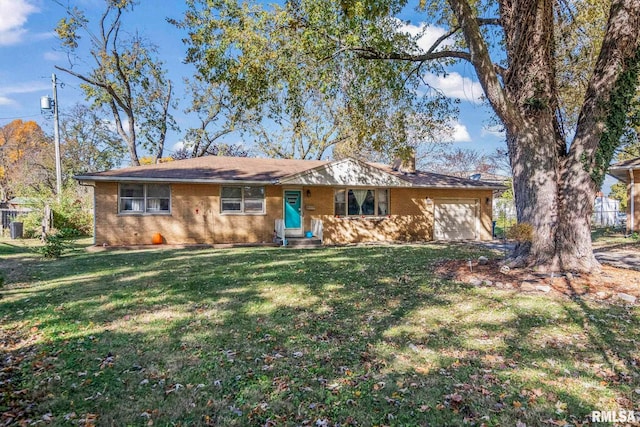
(456,220)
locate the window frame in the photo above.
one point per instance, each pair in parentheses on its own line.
(376,202)
(145,200)
(243,199)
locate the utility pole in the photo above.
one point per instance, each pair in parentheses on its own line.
(45,104)
(56,136)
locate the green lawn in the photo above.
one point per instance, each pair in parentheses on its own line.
(608,237)
(269,336)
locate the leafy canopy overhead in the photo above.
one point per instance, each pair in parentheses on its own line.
(286,68)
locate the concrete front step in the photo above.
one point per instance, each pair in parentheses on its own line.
(302,242)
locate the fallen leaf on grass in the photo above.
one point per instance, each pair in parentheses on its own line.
(107,362)
(235,411)
(455,397)
(557,422)
(88,420)
(560,407)
(172,388)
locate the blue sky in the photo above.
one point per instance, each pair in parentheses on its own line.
(29,50)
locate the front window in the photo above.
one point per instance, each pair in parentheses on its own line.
(362,202)
(145,198)
(247,199)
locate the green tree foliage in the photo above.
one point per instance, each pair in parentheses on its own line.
(299,99)
(581,26)
(89,144)
(72,213)
(126,77)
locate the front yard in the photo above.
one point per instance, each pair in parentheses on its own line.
(269,336)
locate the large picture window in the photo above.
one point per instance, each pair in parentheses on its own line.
(247,199)
(362,202)
(145,198)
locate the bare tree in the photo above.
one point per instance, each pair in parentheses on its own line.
(125,77)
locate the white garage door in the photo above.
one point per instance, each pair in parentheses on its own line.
(456,219)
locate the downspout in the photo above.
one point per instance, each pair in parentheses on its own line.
(632,197)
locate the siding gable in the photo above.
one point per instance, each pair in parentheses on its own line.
(346,172)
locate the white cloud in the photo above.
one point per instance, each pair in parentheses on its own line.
(453,85)
(22,88)
(13,17)
(25,87)
(6,101)
(428,35)
(457,133)
(460,133)
(495,131)
(53,56)
(177,146)
(42,36)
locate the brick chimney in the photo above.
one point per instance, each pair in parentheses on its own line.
(405,164)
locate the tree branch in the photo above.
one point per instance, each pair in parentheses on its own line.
(481,61)
(370,53)
(442,38)
(488,21)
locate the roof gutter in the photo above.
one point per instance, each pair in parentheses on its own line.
(167,180)
(89,180)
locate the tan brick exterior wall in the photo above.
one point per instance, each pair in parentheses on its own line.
(411,217)
(195,217)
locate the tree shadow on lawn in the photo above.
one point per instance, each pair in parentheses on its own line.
(248,337)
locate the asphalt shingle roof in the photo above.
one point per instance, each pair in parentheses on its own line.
(211,168)
(258,170)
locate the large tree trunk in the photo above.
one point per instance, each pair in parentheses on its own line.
(554,183)
(559,210)
(535,183)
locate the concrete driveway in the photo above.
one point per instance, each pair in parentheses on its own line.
(619,257)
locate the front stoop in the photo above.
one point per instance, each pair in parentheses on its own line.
(301,242)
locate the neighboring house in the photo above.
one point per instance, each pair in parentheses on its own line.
(503,209)
(605,212)
(628,172)
(488,177)
(11,209)
(22,203)
(210,200)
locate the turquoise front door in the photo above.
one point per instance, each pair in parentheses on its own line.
(292,204)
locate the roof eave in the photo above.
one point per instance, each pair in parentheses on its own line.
(93,179)
(621,173)
(461,187)
(170,180)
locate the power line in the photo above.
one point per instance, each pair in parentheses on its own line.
(18,117)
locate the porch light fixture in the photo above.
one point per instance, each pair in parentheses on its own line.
(429,201)
(308,193)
